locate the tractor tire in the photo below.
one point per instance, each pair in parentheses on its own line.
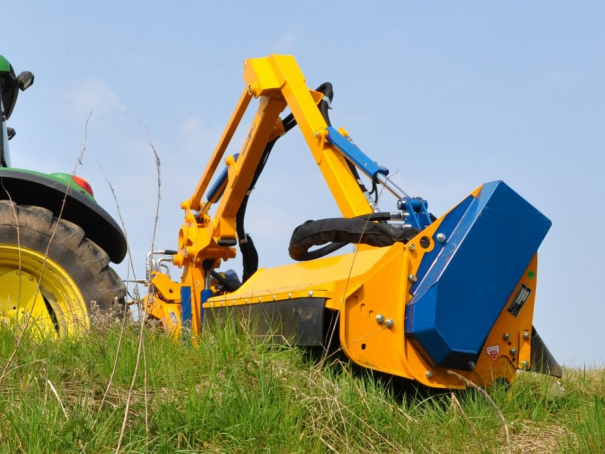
(50,272)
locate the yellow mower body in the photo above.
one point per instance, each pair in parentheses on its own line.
(424,298)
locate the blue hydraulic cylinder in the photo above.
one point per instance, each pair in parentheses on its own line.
(355,155)
(217,189)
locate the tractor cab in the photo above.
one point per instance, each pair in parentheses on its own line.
(4,154)
(10,84)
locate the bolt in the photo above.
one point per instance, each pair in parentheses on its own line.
(411,246)
(506,336)
(513,351)
(470,365)
(525,365)
(525,335)
(315,134)
(289,295)
(428,374)
(310,292)
(380,319)
(249,89)
(412,278)
(389,323)
(31,278)
(441,237)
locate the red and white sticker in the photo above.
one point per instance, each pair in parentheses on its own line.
(493,351)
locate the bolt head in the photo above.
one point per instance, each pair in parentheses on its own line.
(411,246)
(525,335)
(428,374)
(441,237)
(380,319)
(470,365)
(506,336)
(513,351)
(389,323)
(412,278)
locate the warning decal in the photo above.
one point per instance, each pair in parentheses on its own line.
(519,300)
(493,351)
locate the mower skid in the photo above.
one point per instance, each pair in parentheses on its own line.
(542,361)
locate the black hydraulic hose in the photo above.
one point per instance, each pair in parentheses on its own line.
(324,105)
(246,245)
(338,232)
(249,253)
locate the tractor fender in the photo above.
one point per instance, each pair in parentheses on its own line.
(25,187)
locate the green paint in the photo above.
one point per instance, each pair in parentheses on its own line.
(531,274)
(4,65)
(63,178)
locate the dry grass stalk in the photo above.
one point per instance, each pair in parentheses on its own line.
(141,348)
(485,394)
(54,390)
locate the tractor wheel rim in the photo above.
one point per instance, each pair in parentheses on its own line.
(37,293)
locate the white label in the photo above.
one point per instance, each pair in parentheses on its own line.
(493,351)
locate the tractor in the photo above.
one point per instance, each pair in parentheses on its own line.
(56,242)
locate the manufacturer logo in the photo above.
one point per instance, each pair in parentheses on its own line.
(493,351)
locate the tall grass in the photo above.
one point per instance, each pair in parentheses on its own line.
(233,393)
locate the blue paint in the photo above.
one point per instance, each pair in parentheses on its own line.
(216,191)
(417,212)
(446,227)
(465,283)
(355,155)
(186,306)
(204,297)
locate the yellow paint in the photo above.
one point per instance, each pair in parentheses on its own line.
(27,279)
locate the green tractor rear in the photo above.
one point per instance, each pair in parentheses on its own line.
(56,242)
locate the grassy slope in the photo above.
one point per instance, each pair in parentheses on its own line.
(235,395)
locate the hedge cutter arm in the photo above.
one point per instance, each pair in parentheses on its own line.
(419,297)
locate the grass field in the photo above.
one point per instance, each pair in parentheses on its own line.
(236,394)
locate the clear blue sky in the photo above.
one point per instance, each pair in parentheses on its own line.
(448,95)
